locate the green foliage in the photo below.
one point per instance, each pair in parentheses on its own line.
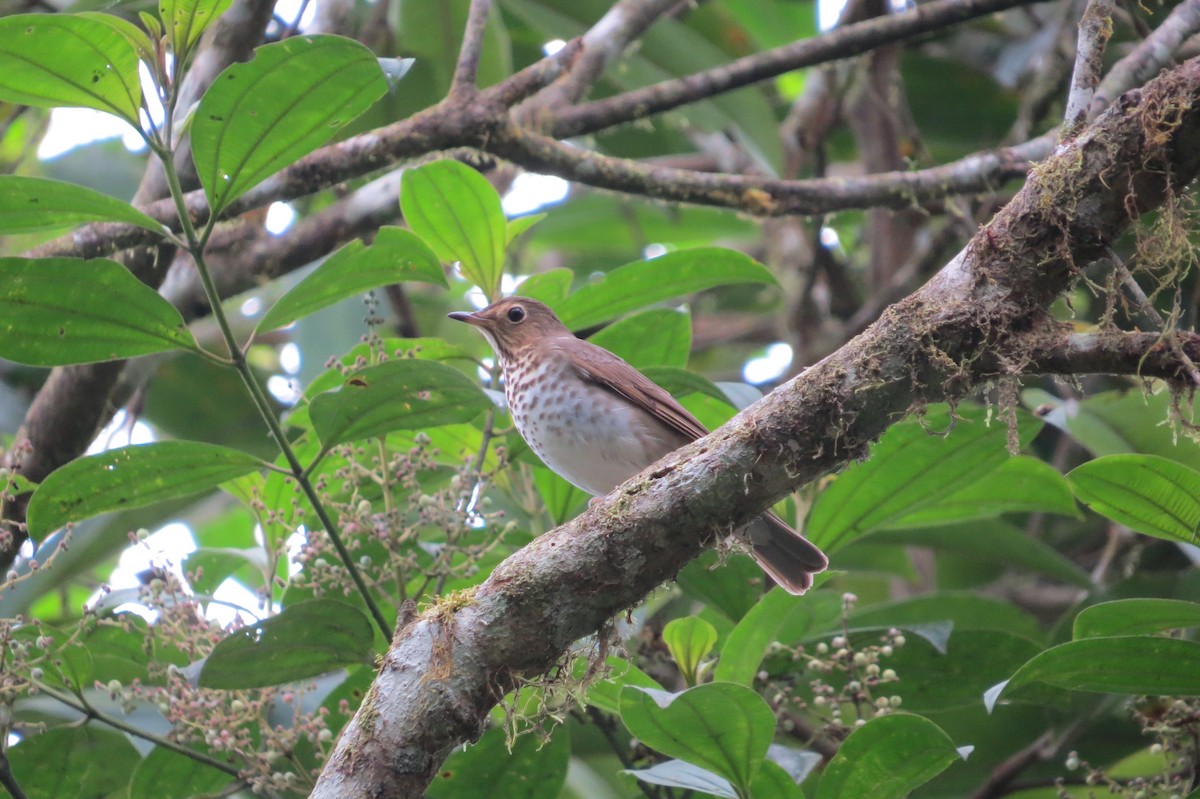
(390,473)
(304,640)
(395,256)
(50,60)
(294,96)
(28,204)
(131,477)
(59,311)
(721,727)
(888,757)
(458,212)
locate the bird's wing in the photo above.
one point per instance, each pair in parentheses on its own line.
(599,366)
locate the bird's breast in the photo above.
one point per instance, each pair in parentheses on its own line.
(590,436)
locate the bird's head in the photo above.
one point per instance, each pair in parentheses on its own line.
(514,323)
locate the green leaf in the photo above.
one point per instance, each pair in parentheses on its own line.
(1146,493)
(965,610)
(29,204)
(605,694)
(50,60)
(993,540)
(87,761)
(888,758)
(686,776)
(550,287)
(187,19)
(933,681)
(689,640)
(526,770)
(185,776)
(137,38)
(911,468)
(1128,664)
(394,257)
(1135,616)
(457,211)
(264,114)
(745,647)
(396,395)
(643,283)
(131,477)
(306,639)
(680,383)
(775,782)
(59,311)
(521,224)
(1018,485)
(722,727)
(658,337)
(732,585)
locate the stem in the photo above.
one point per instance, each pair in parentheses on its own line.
(8,780)
(258,395)
(92,714)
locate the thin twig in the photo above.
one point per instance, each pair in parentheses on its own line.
(466,70)
(1095,29)
(844,42)
(8,780)
(1147,308)
(92,714)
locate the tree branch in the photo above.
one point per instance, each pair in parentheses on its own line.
(842,42)
(449,666)
(466,70)
(1095,29)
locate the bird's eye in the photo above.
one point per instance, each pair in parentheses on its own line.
(516,314)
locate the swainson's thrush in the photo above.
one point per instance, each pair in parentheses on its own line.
(596,421)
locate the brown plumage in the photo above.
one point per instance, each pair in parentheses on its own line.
(596,421)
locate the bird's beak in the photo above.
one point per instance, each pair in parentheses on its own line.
(469,318)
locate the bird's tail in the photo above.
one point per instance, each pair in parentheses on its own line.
(790,558)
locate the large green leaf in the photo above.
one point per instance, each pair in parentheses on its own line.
(1126,664)
(1146,493)
(131,477)
(394,256)
(995,541)
(722,727)
(525,770)
(657,337)
(306,639)
(745,647)
(405,394)
(1135,616)
(965,610)
(888,758)
(262,115)
(28,204)
(50,60)
(1119,422)
(912,468)
(934,681)
(74,761)
(162,768)
(605,694)
(643,283)
(58,311)
(1021,484)
(550,287)
(458,213)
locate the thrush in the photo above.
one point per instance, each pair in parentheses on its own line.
(596,421)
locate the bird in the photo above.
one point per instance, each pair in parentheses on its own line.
(596,421)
